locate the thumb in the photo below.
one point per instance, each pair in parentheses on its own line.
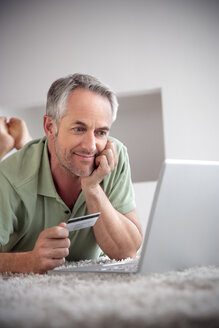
(62,224)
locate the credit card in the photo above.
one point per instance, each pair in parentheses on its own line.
(82,222)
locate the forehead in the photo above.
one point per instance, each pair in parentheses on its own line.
(88,107)
(83,100)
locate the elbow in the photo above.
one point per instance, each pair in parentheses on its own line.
(123,255)
(127,252)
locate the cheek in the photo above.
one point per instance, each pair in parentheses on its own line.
(63,145)
(101,145)
(67,141)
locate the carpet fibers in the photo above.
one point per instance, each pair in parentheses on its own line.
(176,299)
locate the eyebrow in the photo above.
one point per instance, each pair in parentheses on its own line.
(106,128)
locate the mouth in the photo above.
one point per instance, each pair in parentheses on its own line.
(83,157)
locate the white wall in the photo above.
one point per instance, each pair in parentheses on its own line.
(142,115)
(132,46)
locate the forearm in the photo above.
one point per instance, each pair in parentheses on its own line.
(117,235)
(15,262)
(50,251)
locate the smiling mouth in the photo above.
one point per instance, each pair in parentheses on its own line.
(85,157)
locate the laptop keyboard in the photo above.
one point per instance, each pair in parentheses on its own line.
(120,266)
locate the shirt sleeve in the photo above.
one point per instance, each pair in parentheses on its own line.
(8,218)
(118,184)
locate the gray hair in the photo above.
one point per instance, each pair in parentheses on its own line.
(60,90)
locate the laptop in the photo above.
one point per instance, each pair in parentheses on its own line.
(183,225)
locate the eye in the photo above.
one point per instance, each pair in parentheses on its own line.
(78,129)
(101,133)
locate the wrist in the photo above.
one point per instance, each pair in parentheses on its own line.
(16,262)
(23,262)
(90,189)
(89,184)
(94,197)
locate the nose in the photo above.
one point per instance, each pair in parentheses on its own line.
(89,143)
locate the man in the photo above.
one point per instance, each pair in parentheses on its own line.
(76,169)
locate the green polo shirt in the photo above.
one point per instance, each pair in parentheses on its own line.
(29,202)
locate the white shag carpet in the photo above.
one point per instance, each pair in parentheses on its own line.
(176,299)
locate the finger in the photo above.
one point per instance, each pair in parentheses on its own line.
(57,253)
(62,224)
(107,153)
(55,243)
(111,145)
(50,264)
(110,158)
(112,161)
(55,232)
(57,262)
(115,154)
(103,166)
(108,144)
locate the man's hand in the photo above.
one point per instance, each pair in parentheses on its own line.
(106,161)
(50,249)
(118,235)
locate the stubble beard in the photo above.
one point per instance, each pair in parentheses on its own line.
(65,160)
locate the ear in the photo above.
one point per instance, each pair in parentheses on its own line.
(49,126)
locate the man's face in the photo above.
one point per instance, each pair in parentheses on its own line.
(82,132)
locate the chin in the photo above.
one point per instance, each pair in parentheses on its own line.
(82,173)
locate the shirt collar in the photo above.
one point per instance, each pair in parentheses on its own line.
(46,185)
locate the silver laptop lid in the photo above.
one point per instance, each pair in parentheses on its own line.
(183,227)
